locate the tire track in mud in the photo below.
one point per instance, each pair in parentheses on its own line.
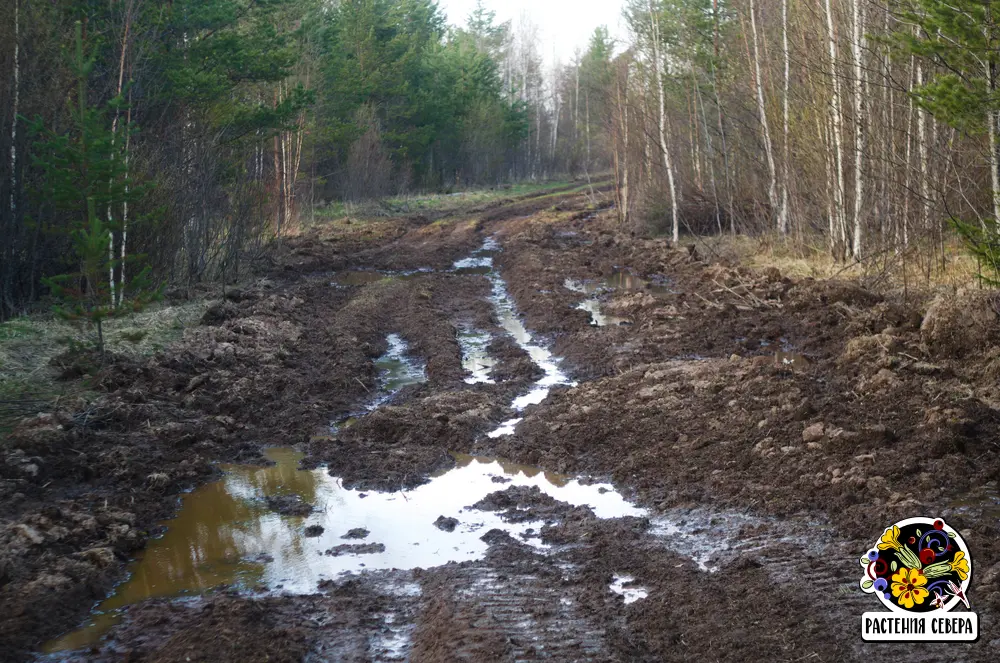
(516,611)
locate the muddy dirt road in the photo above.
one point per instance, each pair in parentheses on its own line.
(509,434)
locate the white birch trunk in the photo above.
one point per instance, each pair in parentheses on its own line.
(121,267)
(576,112)
(836,120)
(17,100)
(625,204)
(772,189)
(711,155)
(693,132)
(859,124)
(658,68)
(922,154)
(903,225)
(783,208)
(555,126)
(115,297)
(992,119)
(725,151)
(994,163)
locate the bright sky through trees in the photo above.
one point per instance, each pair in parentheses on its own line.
(564,25)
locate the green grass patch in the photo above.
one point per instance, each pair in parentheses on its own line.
(30,384)
(442,202)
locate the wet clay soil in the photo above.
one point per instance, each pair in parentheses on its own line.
(765,430)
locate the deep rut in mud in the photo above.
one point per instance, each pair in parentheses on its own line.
(514,435)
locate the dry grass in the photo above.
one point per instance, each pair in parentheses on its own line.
(28,382)
(810,257)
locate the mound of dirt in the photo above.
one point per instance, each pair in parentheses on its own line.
(961,325)
(289,505)
(523,504)
(355,549)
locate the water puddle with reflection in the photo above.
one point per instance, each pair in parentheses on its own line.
(619,280)
(625,586)
(363,277)
(225,533)
(476,359)
(506,313)
(983,503)
(599,318)
(792,360)
(395,371)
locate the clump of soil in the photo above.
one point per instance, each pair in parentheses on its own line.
(446,524)
(357,533)
(522,504)
(313,531)
(355,549)
(289,505)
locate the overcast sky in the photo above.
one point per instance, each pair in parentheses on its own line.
(565,25)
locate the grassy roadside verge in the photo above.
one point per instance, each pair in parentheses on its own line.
(443,203)
(809,257)
(31,383)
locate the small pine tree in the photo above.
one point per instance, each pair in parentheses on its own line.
(982,240)
(85,295)
(83,174)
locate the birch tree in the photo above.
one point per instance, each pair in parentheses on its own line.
(838,223)
(658,65)
(859,124)
(783,208)
(772,189)
(15,108)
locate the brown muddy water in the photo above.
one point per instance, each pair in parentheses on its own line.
(791,359)
(597,317)
(396,369)
(363,277)
(619,280)
(228,536)
(225,535)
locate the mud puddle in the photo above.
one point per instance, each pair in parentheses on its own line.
(710,538)
(984,503)
(395,371)
(229,533)
(599,318)
(476,359)
(363,277)
(594,289)
(618,280)
(508,319)
(791,359)
(625,587)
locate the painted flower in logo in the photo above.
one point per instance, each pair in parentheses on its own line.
(908,586)
(960,565)
(890,539)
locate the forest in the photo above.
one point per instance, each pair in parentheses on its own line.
(203,129)
(224,123)
(872,123)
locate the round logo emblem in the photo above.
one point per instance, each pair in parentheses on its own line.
(918,565)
